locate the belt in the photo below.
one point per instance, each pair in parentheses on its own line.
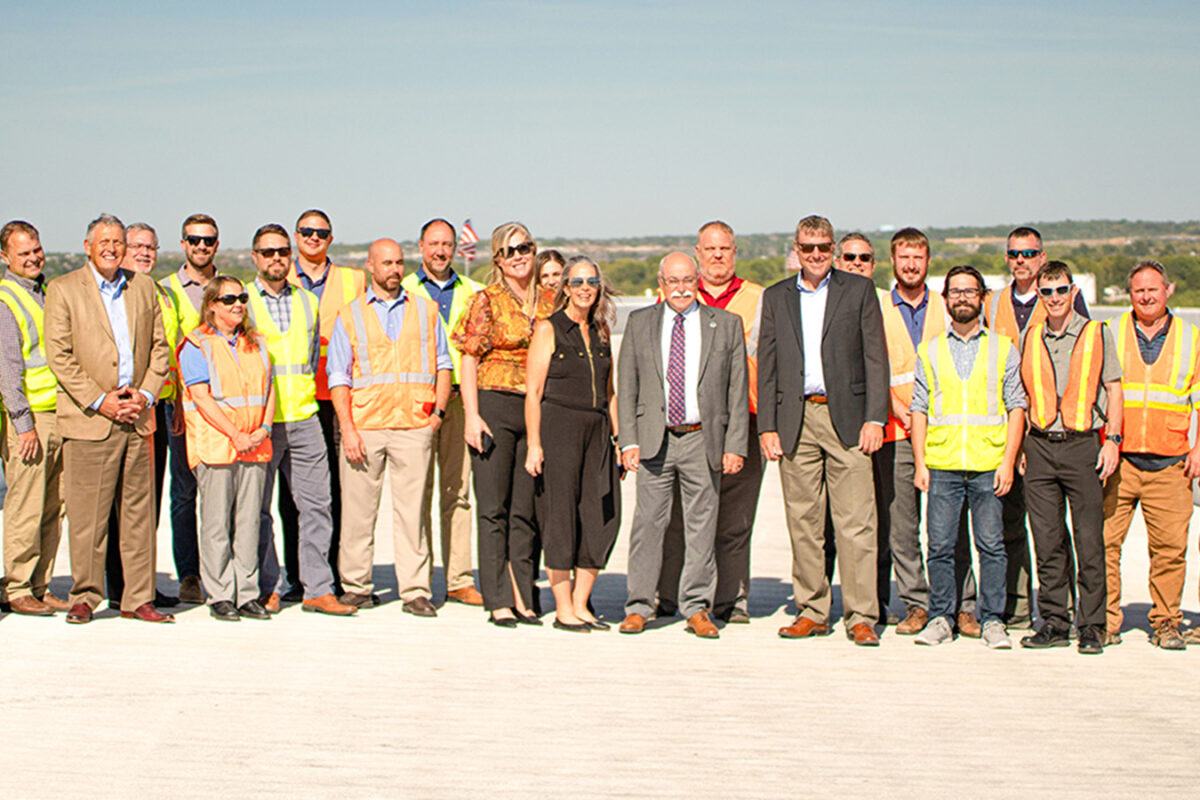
(1060,436)
(816,398)
(683,428)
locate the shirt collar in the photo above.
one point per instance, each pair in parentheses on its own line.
(37,284)
(897,299)
(685,313)
(730,288)
(822,285)
(983,331)
(424,277)
(117,284)
(302,275)
(374,298)
(265,292)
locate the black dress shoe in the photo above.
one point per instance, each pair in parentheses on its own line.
(293,595)
(528,619)
(580,627)
(1091,640)
(506,622)
(254,610)
(1048,636)
(224,611)
(597,625)
(164,600)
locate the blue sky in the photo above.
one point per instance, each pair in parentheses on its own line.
(596,119)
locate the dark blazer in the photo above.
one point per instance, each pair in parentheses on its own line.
(853,355)
(722,393)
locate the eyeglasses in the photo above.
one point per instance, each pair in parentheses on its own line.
(320,233)
(208,241)
(271,252)
(1050,291)
(965,293)
(1031,253)
(679,281)
(524,248)
(865,258)
(575,283)
(824,247)
(142,247)
(230,299)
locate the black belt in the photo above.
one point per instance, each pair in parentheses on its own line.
(683,428)
(1060,436)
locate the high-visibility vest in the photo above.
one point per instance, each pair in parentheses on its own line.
(998,314)
(902,355)
(170,318)
(1083,384)
(391,383)
(291,354)
(189,315)
(342,285)
(968,423)
(747,304)
(37,381)
(1159,397)
(463,292)
(240,383)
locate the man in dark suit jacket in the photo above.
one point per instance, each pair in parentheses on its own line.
(822,402)
(684,416)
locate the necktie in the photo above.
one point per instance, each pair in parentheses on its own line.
(676,407)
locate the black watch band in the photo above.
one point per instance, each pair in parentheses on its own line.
(440,413)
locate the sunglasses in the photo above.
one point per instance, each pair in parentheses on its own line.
(575,283)
(1050,291)
(208,241)
(271,252)
(865,258)
(524,248)
(230,299)
(824,247)
(320,233)
(1024,253)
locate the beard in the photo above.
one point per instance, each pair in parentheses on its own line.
(962,313)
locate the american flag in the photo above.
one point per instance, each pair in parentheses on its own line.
(466,242)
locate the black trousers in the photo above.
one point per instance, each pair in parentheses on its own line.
(1056,472)
(505,521)
(289,516)
(113,574)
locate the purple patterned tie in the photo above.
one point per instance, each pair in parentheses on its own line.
(676,407)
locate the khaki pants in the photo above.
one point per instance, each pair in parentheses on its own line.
(820,461)
(407,454)
(1166,498)
(454,498)
(32,511)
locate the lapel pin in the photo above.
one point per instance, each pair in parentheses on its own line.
(712,324)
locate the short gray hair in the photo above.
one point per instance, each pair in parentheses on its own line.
(104,219)
(143,226)
(1149,263)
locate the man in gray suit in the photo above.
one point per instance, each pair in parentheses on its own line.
(682,401)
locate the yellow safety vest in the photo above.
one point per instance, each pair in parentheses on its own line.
(170,317)
(464,290)
(38,382)
(291,354)
(968,423)
(189,315)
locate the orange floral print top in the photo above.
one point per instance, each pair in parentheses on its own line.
(496,331)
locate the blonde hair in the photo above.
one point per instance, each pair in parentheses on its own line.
(500,237)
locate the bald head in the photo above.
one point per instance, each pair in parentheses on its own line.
(385,260)
(677,277)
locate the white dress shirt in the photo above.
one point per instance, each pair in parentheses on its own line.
(691,360)
(812,322)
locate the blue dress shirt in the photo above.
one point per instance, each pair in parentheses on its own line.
(112,295)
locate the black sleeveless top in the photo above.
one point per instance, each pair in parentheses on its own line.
(577,379)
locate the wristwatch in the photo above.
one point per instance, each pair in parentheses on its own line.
(1116,438)
(440,413)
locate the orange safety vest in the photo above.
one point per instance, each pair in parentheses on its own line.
(1159,397)
(998,314)
(747,304)
(902,356)
(240,382)
(392,384)
(1083,384)
(342,285)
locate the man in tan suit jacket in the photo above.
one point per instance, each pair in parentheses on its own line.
(105,344)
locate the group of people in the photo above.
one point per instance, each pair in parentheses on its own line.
(999,406)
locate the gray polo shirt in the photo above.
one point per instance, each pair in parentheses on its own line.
(1060,347)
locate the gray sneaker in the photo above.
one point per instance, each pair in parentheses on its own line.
(938,631)
(995,635)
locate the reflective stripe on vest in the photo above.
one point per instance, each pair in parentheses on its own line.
(291,354)
(170,318)
(189,315)
(37,381)
(1083,383)
(342,284)
(464,291)
(367,375)
(1159,397)
(1000,317)
(968,423)
(902,355)
(240,388)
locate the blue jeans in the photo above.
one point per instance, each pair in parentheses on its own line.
(184,542)
(947,490)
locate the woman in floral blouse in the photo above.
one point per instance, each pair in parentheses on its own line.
(493,336)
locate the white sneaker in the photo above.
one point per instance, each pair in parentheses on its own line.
(937,632)
(995,635)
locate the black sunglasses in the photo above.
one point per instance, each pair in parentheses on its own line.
(1031,253)
(230,299)
(209,241)
(1050,291)
(320,233)
(824,247)
(524,248)
(575,283)
(866,258)
(271,252)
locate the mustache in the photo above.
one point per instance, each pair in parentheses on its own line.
(681,293)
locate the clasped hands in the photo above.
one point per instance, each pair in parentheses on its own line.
(123,405)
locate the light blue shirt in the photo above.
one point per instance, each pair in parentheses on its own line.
(112,296)
(812,322)
(391,316)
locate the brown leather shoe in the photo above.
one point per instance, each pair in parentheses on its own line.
(468,595)
(146,612)
(30,606)
(634,623)
(191,590)
(968,626)
(913,623)
(328,604)
(863,635)
(80,614)
(419,607)
(802,628)
(55,603)
(270,602)
(702,626)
